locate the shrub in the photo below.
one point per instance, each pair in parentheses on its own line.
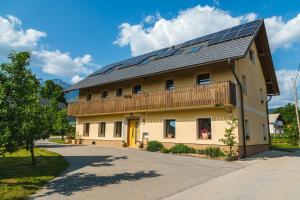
(165,150)
(212,152)
(181,148)
(154,146)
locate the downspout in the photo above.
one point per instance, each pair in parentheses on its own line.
(232,68)
(270,142)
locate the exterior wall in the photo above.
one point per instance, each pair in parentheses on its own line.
(154,125)
(254,108)
(187,77)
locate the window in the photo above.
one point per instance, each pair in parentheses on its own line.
(204,128)
(195,49)
(244,84)
(264,131)
(101,130)
(170,128)
(247,130)
(203,79)
(261,96)
(104,94)
(137,89)
(170,84)
(252,56)
(119,92)
(88,97)
(118,129)
(86,129)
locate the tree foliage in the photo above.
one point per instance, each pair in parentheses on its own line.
(50,90)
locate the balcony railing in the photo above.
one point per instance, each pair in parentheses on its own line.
(221,93)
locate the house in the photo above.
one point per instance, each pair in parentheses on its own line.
(183,94)
(276,123)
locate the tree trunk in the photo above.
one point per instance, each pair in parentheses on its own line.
(33,160)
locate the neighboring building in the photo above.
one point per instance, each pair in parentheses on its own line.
(182,94)
(276,123)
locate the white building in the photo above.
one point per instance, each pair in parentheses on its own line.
(276,123)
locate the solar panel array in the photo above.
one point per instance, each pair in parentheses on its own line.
(211,39)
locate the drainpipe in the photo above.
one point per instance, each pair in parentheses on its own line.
(232,68)
(270,142)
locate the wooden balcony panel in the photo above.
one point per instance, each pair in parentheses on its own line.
(222,93)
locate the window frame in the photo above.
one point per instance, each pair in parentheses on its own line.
(247,129)
(86,129)
(204,83)
(88,97)
(198,128)
(100,129)
(102,94)
(166,84)
(264,130)
(262,101)
(116,129)
(133,89)
(252,56)
(117,92)
(244,84)
(166,129)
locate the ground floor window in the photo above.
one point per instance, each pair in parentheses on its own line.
(118,129)
(101,130)
(264,131)
(247,129)
(86,129)
(204,128)
(170,128)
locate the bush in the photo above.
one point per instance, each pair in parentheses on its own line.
(165,150)
(181,148)
(154,146)
(212,152)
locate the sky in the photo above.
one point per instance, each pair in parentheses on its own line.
(70,39)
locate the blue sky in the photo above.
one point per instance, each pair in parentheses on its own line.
(70,39)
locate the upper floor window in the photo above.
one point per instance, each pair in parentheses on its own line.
(170,84)
(204,128)
(137,89)
(119,92)
(104,94)
(247,129)
(170,128)
(203,79)
(252,56)
(264,131)
(261,94)
(118,129)
(101,130)
(88,97)
(86,129)
(244,84)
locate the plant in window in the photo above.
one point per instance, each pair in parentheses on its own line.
(229,138)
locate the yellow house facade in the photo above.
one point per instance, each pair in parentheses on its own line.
(182,94)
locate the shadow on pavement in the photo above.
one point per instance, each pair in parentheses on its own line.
(275,153)
(69,184)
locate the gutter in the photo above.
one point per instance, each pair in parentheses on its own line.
(270,142)
(232,68)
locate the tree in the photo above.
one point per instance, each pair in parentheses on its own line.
(229,138)
(50,90)
(23,120)
(61,124)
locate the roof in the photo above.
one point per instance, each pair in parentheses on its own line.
(273,117)
(227,44)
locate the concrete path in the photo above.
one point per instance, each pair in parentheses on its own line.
(97,172)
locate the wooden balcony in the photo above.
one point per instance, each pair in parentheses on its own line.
(221,93)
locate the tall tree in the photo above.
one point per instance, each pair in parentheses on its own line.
(50,90)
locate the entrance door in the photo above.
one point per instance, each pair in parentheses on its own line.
(132,132)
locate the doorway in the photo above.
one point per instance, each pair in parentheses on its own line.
(133,128)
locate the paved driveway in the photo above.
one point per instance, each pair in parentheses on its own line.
(97,172)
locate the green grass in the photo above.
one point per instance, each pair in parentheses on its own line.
(19,179)
(57,140)
(284,145)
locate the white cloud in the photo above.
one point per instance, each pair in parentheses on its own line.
(284,78)
(76,78)
(283,33)
(14,37)
(198,21)
(62,64)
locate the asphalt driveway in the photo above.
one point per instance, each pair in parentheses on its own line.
(98,172)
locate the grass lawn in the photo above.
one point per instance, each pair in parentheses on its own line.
(57,140)
(284,145)
(19,179)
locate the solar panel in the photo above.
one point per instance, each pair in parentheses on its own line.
(180,51)
(222,32)
(254,23)
(236,28)
(166,54)
(215,40)
(207,37)
(106,68)
(246,31)
(229,36)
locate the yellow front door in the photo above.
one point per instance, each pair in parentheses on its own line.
(132,132)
